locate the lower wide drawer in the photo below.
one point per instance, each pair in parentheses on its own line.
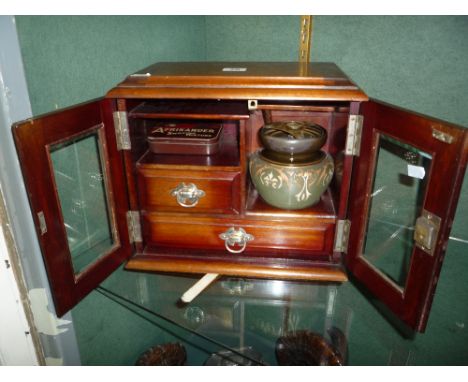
(241,236)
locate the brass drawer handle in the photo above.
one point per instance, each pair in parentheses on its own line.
(187,195)
(233,237)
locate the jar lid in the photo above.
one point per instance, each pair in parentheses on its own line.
(293,137)
(295,129)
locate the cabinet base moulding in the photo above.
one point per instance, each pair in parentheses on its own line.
(239,267)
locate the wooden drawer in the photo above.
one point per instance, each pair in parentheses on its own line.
(214,192)
(269,238)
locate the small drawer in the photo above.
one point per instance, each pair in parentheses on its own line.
(215,192)
(265,238)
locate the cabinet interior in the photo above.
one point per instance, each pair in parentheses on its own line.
(168,228)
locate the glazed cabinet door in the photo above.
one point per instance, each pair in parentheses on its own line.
(404,192)
(75,182)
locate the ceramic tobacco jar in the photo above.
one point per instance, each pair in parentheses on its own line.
(291,172)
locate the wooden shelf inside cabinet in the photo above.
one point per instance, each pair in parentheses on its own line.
(323,210)
(228,161)
(193,109)
(328,107)
(168,260)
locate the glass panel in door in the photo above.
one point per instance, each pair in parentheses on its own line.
(81,180)
(397,196)
(406,182)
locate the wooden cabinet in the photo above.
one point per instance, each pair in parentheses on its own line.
(100,197)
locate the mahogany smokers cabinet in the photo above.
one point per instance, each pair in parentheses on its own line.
(100,197)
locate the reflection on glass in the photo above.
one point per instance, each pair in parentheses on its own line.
(80,179)
(396,199)
(237,321)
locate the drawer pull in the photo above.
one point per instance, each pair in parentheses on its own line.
(233,237)
(187,195)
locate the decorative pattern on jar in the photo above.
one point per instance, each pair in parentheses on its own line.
(291,186)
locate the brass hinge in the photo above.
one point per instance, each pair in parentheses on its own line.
(42,222)
(342,236)
(134,227)
(122,133)
(354,135)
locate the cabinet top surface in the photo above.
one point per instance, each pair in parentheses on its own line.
(240,80)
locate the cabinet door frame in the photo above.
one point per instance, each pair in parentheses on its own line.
(33,138)
(411,304)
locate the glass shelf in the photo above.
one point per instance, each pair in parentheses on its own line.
(235,321)
(133,311)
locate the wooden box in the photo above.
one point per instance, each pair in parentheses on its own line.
(385,218)
(185,138)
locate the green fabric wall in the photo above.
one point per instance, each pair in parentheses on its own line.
(418,63)
(73,59)
(252,38)
(415,62)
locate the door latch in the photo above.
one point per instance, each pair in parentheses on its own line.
(426,231)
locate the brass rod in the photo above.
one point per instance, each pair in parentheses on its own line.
(305,37)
